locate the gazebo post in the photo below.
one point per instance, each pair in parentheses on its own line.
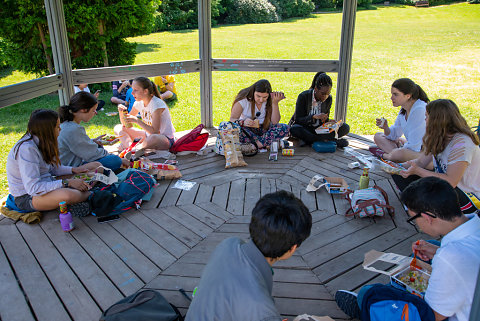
(205,46)
(60,50)
(345,58)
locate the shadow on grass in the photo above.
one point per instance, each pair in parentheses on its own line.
(6,72)
(147,47)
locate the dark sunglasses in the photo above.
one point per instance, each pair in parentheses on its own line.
(410,220)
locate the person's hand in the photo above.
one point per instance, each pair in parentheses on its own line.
(98,139)
(412,169)
(121,108)
(322,116)
(277,96)
(132,119)
(97,93)
(126,83)
(88,167)
(248,122)
(399,143)
(379,124)
(425,251)
(79,184)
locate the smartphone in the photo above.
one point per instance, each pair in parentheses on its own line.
(105,219)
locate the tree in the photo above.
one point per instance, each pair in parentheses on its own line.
(96,31)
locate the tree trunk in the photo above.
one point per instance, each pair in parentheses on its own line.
(101,32)
(44,45)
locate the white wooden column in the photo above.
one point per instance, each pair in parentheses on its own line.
(345,58)
(205,44)
(60,50)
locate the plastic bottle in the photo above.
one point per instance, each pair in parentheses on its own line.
(126,123)
(364,179)
(66,219)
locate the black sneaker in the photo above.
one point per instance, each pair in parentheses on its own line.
(342,142)
(80,209)
(347,302)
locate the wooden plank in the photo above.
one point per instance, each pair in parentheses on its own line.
(401,216)
(338,257)
(216,210)
(143,267)
(35,284)
(308,198)
(144,243)
(180,232)
(234,228)
(252,195)
(169,282)
(204,194)
(171,196)
(324,201)
(294,276)
(122,276)
(203,216)
(319,215)
(74,296)
(13,305)
(358,276)
(93,278)
(293,307)
(236,197)
(157,196)
(220,195)
(161,236)
(300,291)
(187,197)
(190,222)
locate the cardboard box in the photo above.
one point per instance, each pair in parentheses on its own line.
(400,267)
(336,185)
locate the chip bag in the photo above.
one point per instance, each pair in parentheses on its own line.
(231,148)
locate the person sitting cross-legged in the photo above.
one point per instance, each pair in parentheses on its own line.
(237,282)
(433,206)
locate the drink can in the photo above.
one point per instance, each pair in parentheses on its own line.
(63,207)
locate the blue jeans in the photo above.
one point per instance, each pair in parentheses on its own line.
(111,161)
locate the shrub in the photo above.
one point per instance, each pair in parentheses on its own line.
(293,8)
(249,11)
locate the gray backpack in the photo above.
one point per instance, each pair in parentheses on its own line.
(145,305)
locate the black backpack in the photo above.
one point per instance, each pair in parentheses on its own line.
(145,305)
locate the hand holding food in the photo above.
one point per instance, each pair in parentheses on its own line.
(381,123)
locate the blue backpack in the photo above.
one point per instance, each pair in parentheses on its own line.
(384,302)
(134,185)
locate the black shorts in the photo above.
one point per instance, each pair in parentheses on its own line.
(24,203)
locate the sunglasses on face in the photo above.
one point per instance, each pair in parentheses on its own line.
(412,218)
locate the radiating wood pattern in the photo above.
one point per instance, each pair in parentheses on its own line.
(47,274)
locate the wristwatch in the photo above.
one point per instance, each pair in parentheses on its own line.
(65,183)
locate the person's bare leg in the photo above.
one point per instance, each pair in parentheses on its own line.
(384,143)
(50,200)
(156,141)
(127,135)
(166,95)
(117,101)
(400,155)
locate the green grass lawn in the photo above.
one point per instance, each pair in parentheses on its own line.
(437,47)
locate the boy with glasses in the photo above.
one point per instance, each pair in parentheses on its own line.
(433,207)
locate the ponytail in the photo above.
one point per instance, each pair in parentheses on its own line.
(79,101)
(422,95)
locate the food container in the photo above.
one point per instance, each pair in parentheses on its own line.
(336,185)
(387,166)
(399,273)
(288,152)
(413,281)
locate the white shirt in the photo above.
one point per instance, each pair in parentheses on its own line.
(413,128)
(454,272)
(77,89)
(166,126)
(461,148)
(247,111)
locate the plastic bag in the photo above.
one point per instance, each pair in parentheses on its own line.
(184,185)
(231,148)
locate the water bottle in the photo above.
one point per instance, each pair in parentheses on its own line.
(364,179)
(66,219)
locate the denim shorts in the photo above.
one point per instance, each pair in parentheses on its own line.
(24,203)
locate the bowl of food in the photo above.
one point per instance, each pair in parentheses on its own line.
(412,280)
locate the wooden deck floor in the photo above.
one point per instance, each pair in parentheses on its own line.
(46,274)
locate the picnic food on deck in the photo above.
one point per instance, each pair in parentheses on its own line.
(109,139)
(389,166)
(417,280)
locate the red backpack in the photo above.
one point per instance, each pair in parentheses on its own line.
(193,141)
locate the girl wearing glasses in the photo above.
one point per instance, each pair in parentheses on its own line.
(313,110)
(256,109)
(453,148)
(74,145)
(410,123)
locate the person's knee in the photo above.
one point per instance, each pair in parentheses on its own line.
(167,95)
(295,130)
(378,137)
(343,130)
(117,129)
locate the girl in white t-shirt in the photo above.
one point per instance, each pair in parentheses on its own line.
(256,109)
(453,147)
(156,124)
(410,123)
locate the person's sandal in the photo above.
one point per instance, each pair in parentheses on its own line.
(376,151)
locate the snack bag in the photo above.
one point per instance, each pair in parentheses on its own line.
(231,148)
